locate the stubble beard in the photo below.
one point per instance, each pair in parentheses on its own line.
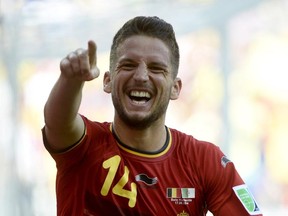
(135,121)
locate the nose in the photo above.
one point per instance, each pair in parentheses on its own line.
(141,73)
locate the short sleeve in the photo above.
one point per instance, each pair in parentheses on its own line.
(221,180)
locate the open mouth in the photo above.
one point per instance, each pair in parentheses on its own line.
(139,97)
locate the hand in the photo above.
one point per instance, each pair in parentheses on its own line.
(81,64)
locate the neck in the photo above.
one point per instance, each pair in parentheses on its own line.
(150,139)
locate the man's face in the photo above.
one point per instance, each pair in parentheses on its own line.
(142,83)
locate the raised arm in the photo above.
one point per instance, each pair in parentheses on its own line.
(63,124)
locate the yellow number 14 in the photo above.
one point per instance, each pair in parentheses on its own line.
(113,164)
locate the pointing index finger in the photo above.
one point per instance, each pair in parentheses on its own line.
(92,53)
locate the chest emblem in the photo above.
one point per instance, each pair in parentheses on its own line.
(145,179)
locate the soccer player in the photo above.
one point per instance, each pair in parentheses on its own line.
(135,165)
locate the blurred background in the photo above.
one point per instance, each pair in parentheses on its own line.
(234,67)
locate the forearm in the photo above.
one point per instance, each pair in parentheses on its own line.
(63,125)
(62,106)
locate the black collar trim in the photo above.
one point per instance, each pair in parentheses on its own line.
(144,152)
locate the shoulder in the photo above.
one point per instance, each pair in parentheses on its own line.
(94,126)
(190,143)
(201,156)
(95,136)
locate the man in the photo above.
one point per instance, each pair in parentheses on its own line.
(135,165)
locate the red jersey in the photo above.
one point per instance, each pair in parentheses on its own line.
(102,176)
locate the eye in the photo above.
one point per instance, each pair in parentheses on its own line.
(157,69)
(128,66)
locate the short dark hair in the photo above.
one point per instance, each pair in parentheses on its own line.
(148,26)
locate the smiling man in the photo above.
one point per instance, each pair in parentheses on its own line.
(135,165)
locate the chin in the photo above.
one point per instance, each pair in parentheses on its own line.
(138,122)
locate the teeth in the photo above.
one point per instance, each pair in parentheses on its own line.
(140,94)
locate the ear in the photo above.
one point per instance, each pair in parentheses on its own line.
(176,88)
(107,82)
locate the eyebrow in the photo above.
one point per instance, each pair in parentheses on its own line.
(160,64)
(153,63)
(126,60)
